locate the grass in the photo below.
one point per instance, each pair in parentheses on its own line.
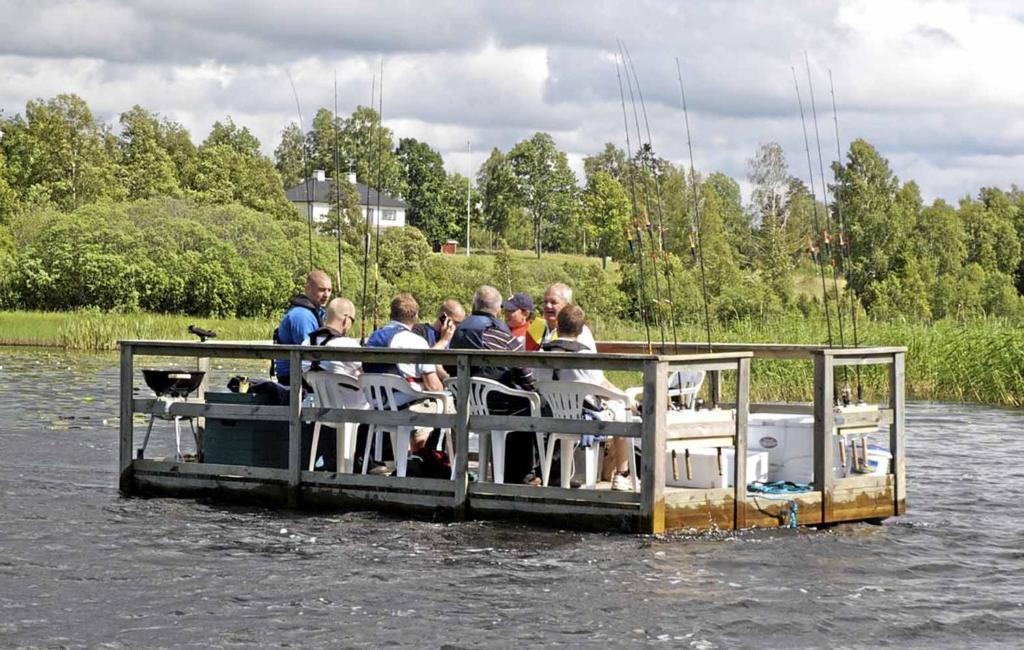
(978,361)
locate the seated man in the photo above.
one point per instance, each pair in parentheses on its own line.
(570,323)
(518,310)
(339,318)
(305,314)
(543,330)
(451,311)
(398,334)
(483,331)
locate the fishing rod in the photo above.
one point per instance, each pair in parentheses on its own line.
(815,253)
(696,241)
(305,171)
(638,250)
(827,233)
(380,158)
(366,236)
(844,237)
(661,211)
(337,181)
(642,149)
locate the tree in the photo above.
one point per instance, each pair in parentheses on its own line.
(176,141)
(768,173)
(428,193)
(63,155)
(606,213)
(879,215)
(368,149)
(239,140)
(146,168)
(497,182)
(547,188)
(611,161)
(230,168)
(289,159)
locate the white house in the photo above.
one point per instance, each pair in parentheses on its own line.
(316,195)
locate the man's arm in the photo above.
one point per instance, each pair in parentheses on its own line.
(431,381)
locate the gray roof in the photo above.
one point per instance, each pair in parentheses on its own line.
(320,191)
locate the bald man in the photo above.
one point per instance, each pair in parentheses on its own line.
(338,320)
(305,315)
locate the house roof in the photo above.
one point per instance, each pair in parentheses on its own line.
(320,191)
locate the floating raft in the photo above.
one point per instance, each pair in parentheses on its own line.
(836,495)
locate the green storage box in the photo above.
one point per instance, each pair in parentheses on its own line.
(257,443)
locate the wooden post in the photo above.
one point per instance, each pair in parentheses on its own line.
(897,431)
(824,415)
(740,460)
(294,428)
(716,387)
(461,459)
(652,485)
(126,423)
(202,363)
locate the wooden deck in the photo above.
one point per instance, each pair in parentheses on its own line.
(655,508)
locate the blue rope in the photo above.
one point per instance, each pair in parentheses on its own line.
(781,487)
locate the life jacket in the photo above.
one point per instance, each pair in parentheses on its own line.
(322,337)
(382,339)
(301,301)
(535,334)
(562,345)
(426,331)
(298,301)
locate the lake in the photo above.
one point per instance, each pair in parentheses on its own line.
(81,566)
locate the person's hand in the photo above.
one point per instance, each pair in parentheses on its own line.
(447,330)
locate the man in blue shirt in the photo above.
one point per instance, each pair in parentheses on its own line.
(305,315)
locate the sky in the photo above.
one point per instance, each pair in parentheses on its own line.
(935,86)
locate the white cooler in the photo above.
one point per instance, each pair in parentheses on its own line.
(704,463)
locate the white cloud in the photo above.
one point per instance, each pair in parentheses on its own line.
(932,84)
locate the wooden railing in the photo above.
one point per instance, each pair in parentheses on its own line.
(652,429)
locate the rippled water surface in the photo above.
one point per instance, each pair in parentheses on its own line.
(80,566)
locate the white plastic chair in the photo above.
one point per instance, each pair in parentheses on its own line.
(565,398)
(337,390)
(380,391)
(480,389)
(683,387)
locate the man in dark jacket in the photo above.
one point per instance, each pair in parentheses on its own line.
(305,315)
(483,330)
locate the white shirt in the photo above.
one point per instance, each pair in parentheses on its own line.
(353,368)
(588,375)
(351,400)
(407,340)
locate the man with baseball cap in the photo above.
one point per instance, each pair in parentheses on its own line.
(518,310)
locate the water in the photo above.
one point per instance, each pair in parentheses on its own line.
(80,566)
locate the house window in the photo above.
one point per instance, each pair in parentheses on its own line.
(389,215)
(369,214)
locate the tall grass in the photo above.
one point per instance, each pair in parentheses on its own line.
(977,361)
(91,329)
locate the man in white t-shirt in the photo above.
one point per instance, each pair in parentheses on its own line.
(338,320)
(398,334)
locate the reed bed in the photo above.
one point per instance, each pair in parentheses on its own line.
(975,361)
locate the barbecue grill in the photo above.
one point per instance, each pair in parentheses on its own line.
(171,386)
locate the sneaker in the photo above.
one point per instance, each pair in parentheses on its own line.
(621,483)
(378,469)
(532,479)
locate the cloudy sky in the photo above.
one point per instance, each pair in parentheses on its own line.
(936,86)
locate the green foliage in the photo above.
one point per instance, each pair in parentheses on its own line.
(547,188)
(606,216)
